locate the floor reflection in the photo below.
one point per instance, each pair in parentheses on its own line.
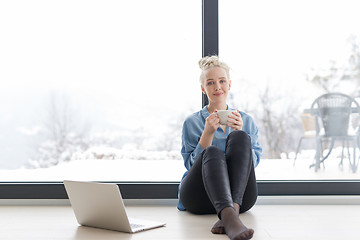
(89,233)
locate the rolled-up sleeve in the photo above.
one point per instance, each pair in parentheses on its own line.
(256,147)
(190,144)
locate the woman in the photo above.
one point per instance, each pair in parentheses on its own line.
(219,159)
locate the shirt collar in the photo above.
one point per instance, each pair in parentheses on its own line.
(204,112)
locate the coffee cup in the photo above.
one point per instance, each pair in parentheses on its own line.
(224,115)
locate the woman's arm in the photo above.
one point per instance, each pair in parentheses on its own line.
(190,143)
(196,136)
(256,147)
(211,125)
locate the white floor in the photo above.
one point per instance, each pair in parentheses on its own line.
(287,222)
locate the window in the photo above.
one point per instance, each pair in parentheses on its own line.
(32,80)
(283,55)
(95,90)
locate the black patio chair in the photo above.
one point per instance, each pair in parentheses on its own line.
(333,111)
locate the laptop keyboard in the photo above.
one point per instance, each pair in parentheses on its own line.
(134,225)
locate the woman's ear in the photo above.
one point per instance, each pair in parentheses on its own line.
(203,89)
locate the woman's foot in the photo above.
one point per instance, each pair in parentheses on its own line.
(238,231)
(218,228)
(234,228)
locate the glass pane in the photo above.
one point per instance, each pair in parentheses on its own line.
(285,54)
(96,90)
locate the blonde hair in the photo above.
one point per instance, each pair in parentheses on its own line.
(210,62)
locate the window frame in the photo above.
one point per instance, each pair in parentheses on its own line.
(168,190)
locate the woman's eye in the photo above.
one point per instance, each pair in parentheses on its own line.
(210,83)
(223,81)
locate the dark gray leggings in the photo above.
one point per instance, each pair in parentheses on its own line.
(216,180)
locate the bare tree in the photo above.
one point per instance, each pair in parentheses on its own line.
(171,139)
(62,133)
(277,117)
(354,61)
(326,79)
(331,78)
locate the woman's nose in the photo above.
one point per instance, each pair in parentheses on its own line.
(217,86)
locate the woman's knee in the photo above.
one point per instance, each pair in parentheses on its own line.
(238,145)
(213,151)
(239,136)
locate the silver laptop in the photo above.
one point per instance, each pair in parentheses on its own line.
(100,205)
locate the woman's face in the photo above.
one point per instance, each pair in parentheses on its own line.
(216,85)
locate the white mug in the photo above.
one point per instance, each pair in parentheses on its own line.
(224,115)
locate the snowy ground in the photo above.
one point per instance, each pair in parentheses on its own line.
(172,170)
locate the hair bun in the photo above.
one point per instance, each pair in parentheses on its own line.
(209,62)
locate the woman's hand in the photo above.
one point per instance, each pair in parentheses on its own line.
(212,123)
(235,120)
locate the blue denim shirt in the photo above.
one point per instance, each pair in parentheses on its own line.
(193,128)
